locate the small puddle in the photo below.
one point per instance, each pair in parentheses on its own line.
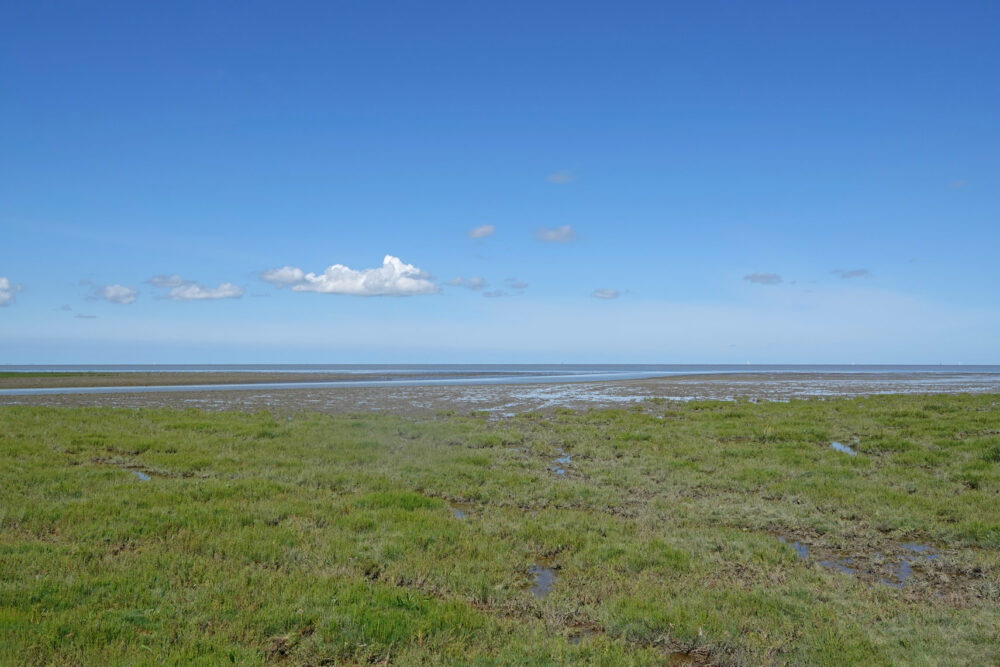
(899,573)
(841,447)
(801,550)
(542,580)
(563,460)
(143,477)
(840,565)
(460,510)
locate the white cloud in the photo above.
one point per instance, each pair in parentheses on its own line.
(7,291)
(561,177)
(393,278)
(188,290)
(514,283)
(286,275)
(563,234)
(763,278)
(482,231)
(605,293)
(116,294)
(495,294)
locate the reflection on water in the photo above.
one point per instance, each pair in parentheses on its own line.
(542,580)
(898,572)
(840,447)
(143,477)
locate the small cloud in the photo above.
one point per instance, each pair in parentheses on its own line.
(763,278)
(115,294)
(956,185)
(564,234)
(514,283)
(188,290)
(65,307)
(561,177)
(482,231)
(163,280)
(286,275)
(494,294)
(852,273)
(474,283)
(393,278)
(260,295)
(605,293)
(81,316)
(7,291)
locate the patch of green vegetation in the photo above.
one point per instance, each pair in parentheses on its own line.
(335,539)
(53,374)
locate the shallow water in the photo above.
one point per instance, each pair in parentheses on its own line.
(143,477)
(840,447)
(542,580)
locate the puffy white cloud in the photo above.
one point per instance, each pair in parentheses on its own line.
(561,177)
(852,273)
(286,275)
(393,278)
(188,290)
(116,294)
(7,291)
(763,278)
(605,293)
(563,234)
(482,231)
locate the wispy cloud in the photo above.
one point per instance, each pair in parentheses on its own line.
(561,177)
(955,185)
(7,291)
(482,231)
(852,273)
(564,234)
(605,293)
(474,283)
(763,278)
(514,283)
(82,316)
(188,290)
(115,294)
(286,275)
(494,294)
(393,278)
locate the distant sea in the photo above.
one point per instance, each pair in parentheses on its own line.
(643,370)
(401,375)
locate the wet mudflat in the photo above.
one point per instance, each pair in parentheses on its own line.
(679,532)
(505,400)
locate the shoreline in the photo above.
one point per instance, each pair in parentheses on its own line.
(505,399)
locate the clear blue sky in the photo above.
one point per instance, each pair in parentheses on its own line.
(652,182)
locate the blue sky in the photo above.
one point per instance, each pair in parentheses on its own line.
(740,181)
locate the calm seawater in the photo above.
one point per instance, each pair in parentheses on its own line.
(478,374)
(504,369)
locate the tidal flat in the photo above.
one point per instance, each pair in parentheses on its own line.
(678,532)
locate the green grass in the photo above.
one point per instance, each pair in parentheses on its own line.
(54,374)
(316,539)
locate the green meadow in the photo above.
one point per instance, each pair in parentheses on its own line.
(664,534)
